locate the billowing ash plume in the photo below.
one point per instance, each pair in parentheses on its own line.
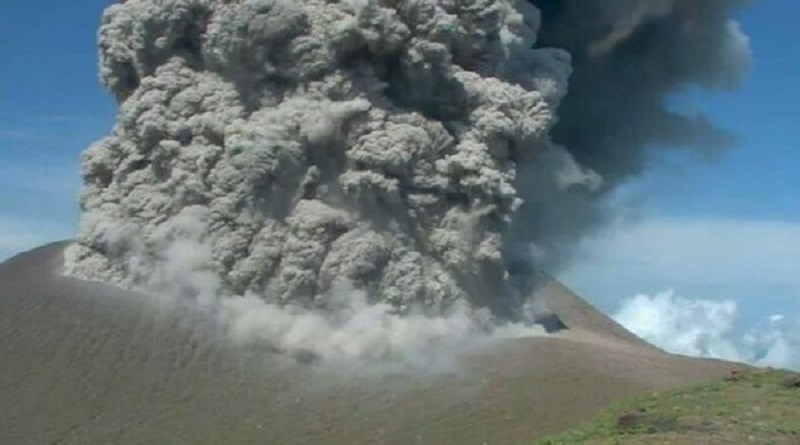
(408,147)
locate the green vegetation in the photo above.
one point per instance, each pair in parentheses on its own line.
(756,407)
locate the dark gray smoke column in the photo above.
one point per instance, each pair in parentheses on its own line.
(627,56)
(278,146)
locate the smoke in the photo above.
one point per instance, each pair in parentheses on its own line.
(429,153)
(351,335)
(628,57)
(708,328)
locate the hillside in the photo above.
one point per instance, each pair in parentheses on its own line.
(756,407)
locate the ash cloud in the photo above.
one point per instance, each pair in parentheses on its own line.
(628,56)
(430,153)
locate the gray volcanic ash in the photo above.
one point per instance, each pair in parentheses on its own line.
(427,153)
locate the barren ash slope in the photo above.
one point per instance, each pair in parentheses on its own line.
(326,221)
(87,363)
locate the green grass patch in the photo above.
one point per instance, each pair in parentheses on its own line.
(754,407)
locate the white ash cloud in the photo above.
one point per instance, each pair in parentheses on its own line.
(353,335)
(403,147)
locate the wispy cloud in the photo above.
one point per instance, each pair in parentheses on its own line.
(756,263)
(39,175)
(17,235)
(710,250)
(50,132)
(9,134)
(49,179)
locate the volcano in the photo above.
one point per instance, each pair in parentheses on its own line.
(88,362)
(342,183)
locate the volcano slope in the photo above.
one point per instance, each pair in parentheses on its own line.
(87,363)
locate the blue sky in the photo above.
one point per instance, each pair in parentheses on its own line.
(726,228)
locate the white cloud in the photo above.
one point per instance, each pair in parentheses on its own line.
(755,265)
(725,251)
(707,328)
